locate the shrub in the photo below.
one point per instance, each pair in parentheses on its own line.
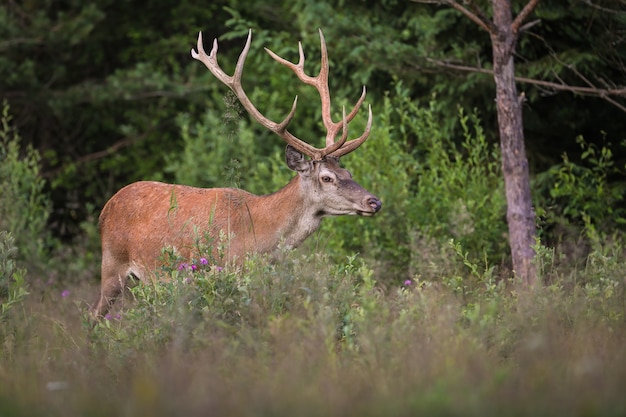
(460,192)
(13,288)
(581,205)
(195,298)
(24,206)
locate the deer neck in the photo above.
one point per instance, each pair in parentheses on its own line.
(291,213)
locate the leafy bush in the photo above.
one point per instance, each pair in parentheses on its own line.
(461,190)
(194,298)
(217,149)
(13,288)
(582,204)
(24,206)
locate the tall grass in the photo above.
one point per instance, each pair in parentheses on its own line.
(306,337)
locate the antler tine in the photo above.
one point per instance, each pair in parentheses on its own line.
(320,82)
(210,60)
(234,83)
(322,79)
(335,146)
(357,106)
(355,143)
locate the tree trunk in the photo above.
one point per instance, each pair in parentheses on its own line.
(520,215)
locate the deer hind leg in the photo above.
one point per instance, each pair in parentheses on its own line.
(113,282)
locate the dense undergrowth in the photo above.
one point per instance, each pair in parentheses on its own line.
(310,337)
(369,317)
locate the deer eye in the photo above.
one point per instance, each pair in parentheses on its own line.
(326,178)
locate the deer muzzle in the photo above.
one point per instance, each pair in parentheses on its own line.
(374,204)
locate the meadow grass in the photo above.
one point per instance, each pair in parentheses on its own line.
(307,337)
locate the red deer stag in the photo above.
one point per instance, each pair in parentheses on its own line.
(143,217)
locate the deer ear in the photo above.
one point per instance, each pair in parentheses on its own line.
(295,160)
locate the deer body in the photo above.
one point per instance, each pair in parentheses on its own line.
(144,217)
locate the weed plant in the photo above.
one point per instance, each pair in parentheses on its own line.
(24,207)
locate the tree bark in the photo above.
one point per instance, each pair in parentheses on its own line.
(520,214)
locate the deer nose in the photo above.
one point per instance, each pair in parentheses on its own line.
(375,204)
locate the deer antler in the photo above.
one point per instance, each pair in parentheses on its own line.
(320,82)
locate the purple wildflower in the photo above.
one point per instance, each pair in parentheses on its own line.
(193,267)
(219,269)
(107,316)
(65,293)
(407,282)
(204,261)
(182,266)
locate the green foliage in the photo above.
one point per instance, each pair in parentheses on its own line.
(474,280)
(588,196)
(196,297)
(13,288)
(441,191)
(24,205)
(460,193)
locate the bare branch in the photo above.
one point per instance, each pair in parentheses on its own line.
(122,143)
(591,90)
(604,9)
(615,103)
(476,15)
(481,15)
(527,10)
(479,19)
(528,25)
